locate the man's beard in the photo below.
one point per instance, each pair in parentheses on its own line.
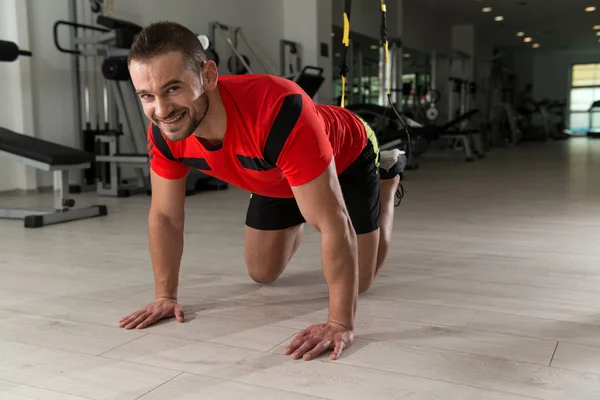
(178,133)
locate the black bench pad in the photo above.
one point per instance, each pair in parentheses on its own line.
(42,150)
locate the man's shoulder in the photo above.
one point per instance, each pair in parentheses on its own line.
(258,98)
(258,87)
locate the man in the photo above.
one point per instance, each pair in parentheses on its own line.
(302,162)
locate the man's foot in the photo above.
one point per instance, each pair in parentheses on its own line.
(392,163)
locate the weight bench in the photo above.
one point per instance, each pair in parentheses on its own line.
(471,139)
(48,156)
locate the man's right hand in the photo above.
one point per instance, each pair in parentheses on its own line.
(153,312)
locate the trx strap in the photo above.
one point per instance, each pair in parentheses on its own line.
(384,43)
(344,69)
(384,39)
(346,42)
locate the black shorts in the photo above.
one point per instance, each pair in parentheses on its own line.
(360,188)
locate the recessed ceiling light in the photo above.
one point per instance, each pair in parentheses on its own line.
(536,45)
(590,9)
(499,18)
(487,9)
(528,39)
(520,34)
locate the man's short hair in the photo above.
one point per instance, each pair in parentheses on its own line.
(162,37)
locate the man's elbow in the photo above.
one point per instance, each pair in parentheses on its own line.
(336,223)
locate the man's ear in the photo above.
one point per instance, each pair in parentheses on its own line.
(210,75)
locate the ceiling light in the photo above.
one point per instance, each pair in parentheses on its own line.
(536,45)
(527,40)
(520,34)
(597,27)
(487,9)
(598,33)
(590,9)
(499,18)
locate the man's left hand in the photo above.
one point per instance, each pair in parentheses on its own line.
(315,339)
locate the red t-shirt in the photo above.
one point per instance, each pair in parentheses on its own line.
(276,137)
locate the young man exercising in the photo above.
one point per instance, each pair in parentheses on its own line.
(302,162)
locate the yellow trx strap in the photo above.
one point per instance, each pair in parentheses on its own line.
(384,43)
(346,42)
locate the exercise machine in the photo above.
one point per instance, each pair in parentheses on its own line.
(124,121)
(505,130)
(119,141)
(309,78)
(45,156)
(390,134)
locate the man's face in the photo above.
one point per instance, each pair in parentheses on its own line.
(172,95)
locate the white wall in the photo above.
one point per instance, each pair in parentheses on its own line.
(260,20)
(54,104)
(308,23)
(16,101)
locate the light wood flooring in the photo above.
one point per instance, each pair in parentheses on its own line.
(491,292)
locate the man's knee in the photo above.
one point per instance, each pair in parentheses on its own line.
(264,274)
(265,269)
(367,275)
(364,285)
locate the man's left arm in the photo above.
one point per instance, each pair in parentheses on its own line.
(302,150)
(322,205)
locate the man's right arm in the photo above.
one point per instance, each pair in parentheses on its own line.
(165,230)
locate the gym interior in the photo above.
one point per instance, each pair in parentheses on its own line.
(491,289)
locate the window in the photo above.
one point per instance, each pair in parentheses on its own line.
(586,75)
(585,89)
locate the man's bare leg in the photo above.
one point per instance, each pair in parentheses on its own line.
(373,247)
(267,253)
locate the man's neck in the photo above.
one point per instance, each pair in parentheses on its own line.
(214,125)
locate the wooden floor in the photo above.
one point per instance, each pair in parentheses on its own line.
(491,291)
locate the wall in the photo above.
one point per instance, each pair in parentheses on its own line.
(423,29)
(551,76)
(54,103)
(314,29)
(260,20)
(365,16)
(16,100)
(549,71)
(484,52)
